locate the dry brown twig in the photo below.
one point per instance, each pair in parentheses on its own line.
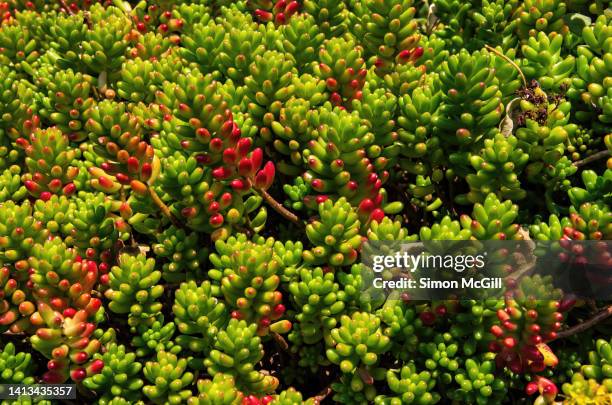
(278,207)
(587,324)
(65,7)
(317,399)
(280,340)
(164,208)
(592,158)
(510,61)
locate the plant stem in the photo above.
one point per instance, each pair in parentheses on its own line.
(124,6)
(280,341)
(102,77)
(589,323)
(317,399)
(510,61)
(164,209)
(595,156)
(245,230)
(365,376)
(65,6)
(278,207)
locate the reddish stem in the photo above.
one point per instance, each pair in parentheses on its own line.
(587,324)
(164,208)
(278,207)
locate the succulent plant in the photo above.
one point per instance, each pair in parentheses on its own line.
(199,315)
(303,34)
(278,11)
(473,320)
(329,15)
(337,161)
(494,219)
(592,80)
(134,288)
(495,23)
(154,336)
(19,48)
(65,341)
(525,325)
(406,77)
(240,341)
(96,227)
(497,167)
(119,376)
(12,297)
(105,43)
(510,79)
(319,301)
(61,31)
(190,191)
(456,28)
(541,15)
(543,61)
(202,45)
(60,277)
(68,95)
(478,383)
(589,221)
(378,106)
(150,46)
(335,236)
(599,360)
(596,188)
(248,279)
(20,231)
(16,102)
(289,396)
(440,354)
(471,103)
(118,148)
(358,341)
(11,187)
(400,324)
(220,390)
(140,79)
(182,251)
(418,109)
(241,44)
(409,386)
(189,185)
(342,67)
(170,378)
(15,367)
(582,389)
(389,32)
(268,85)
(48,158)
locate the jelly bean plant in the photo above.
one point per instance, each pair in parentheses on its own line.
(187,189)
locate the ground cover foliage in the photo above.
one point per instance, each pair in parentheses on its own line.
(185,189)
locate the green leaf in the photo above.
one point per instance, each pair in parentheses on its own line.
(506,127)
(577,22)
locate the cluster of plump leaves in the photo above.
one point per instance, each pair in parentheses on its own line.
(187,189)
